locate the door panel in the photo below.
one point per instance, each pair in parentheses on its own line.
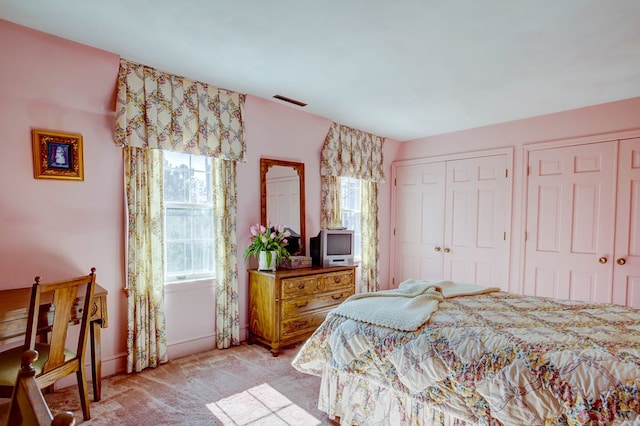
(627,276)
(419,221)
(571,199)
(476,221)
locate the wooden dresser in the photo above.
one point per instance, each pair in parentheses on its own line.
(286,306)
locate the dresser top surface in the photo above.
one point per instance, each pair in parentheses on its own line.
(299,272)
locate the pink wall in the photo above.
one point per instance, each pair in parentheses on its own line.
(581,122)
(57,228)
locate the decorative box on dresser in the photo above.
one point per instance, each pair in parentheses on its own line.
(286,306)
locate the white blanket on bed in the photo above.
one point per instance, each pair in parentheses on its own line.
(407,307)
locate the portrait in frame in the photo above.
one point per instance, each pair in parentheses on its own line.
(57,155)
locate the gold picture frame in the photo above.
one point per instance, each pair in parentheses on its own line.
(57,155)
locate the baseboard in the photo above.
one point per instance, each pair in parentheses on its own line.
(191,346)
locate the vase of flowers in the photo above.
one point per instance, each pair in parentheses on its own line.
(268,245)
(267,261)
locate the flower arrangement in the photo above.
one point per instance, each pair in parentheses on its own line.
(270,239)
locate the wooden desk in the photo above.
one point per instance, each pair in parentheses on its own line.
(14,310)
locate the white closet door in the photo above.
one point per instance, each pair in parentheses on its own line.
(475,246)
(626,278)
(419,221)
(570,207)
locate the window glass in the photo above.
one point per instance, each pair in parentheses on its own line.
(350,188)
(188,217)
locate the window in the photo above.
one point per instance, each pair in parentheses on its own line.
(350,188)
(188,216)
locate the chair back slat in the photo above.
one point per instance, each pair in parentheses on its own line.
(63,299)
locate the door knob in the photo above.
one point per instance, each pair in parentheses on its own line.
(621,261)
(603,260)
(438,248)
(447,249)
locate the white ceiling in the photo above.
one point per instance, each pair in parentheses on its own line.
(402,69)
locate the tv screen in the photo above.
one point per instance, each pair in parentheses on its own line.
(338,244)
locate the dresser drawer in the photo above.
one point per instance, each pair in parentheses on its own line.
(301,325)
(293,287)
(298,306)
(337,280)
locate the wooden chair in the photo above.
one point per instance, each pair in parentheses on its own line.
(28,406)
(64,302)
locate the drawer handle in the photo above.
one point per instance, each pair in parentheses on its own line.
(301,286)
(337,296)
(337,279)
(299,324)
(301,305)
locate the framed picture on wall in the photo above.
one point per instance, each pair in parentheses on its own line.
(57,155)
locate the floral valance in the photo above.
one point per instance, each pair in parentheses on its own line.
(159,110)
(349,152)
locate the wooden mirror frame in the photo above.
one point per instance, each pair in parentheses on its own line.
(265,165)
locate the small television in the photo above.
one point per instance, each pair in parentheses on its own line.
(332,247)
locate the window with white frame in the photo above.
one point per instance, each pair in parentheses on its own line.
(188,217)
(350,189)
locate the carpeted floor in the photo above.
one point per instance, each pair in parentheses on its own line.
(243,385)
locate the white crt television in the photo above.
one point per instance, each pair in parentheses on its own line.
(332,247)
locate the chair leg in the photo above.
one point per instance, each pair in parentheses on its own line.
(84,394)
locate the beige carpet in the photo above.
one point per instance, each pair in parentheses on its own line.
(243,385)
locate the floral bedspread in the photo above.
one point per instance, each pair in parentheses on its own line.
(497,358)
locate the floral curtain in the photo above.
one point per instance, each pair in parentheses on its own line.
(369,229)
(225,203)
(331,210)
(146,337)
(353,153)
(159,110)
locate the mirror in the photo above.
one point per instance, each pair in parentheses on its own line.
(282,198)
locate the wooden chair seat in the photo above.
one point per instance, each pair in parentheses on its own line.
(10,363)
(28,406)
(67,299)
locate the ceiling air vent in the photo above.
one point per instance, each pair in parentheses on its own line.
(291,101)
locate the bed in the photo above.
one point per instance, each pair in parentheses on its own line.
(486,358)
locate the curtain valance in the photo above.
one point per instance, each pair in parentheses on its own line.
(352,153)
(159,110)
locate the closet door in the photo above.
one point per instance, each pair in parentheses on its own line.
(452,220)
(476,222)
(419,221)
(570,222)
(626,277)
